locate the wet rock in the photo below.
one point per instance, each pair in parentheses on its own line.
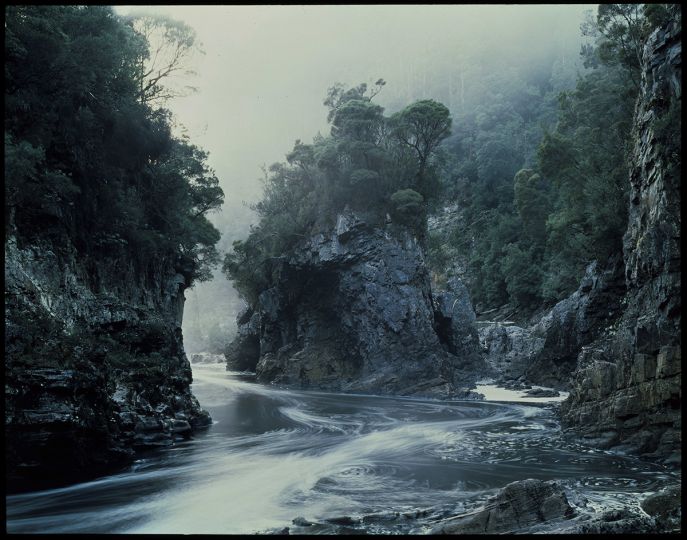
(351,309)
(614,521)
(665,506)
(628,382)
(302,522)
(542,392)
(94,362)
(181,427)
(343,520)
(517,506)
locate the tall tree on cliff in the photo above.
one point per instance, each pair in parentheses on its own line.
(422,126)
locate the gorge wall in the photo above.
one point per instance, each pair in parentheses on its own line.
(546,352)
(94,362)
(352,310)
(626,391)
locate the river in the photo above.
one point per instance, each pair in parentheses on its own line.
(345,462)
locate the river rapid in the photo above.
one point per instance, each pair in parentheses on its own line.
(347,463)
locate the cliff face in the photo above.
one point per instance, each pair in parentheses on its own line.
(546,352)
(94,362)
(352,310)
(626,390)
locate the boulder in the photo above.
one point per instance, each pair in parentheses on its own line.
(517,506)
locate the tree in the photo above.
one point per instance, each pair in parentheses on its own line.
(338,95)
(408,208)
(522,276)
(620,31)
(168,56)
(532,204)
(422,126)
(360,166)
(88,161)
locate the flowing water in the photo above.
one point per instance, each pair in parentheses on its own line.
(383,464)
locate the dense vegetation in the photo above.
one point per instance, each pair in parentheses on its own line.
(536,164)
(376,165)
(89,150)
(541,175)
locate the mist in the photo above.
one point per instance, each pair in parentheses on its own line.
(265,72)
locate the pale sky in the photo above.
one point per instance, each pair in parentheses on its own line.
(266,69)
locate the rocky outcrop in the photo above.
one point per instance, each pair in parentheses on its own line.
(243,352)
(626,391)
(351,310)
(94,363)
(454,323)
(508,349)
(575,322)
(546,352)
(538,507)
(518,506)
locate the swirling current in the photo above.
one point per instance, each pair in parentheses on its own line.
(344,462)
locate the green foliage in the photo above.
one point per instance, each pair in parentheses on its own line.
(620,31)
(532,204)
(421,126)
(522,275)
(88,157)
(408,208)
(368,163)
(541,175)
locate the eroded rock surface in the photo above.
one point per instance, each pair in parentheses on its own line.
(546,352)
(519,505)
(352,310)
(94,363)
(626,391)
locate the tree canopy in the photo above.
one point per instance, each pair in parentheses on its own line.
(377,165)
(88,155)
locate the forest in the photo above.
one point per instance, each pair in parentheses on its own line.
(452,307)
(538,173)
(89,152)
